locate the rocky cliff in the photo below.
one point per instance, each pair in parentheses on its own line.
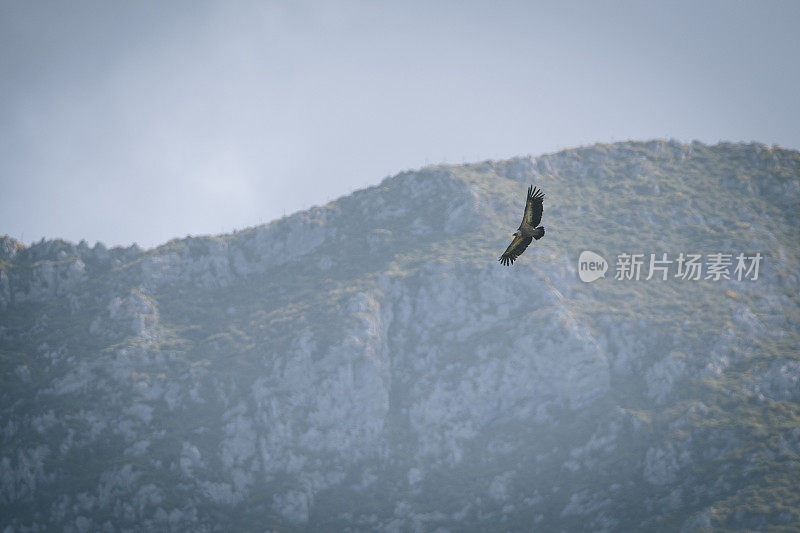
(369,365)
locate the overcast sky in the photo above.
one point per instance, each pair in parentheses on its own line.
(142,121)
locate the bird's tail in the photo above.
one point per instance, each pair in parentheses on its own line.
(539,233)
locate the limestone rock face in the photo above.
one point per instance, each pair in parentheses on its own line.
(369,365)
(49,279)
(132,315)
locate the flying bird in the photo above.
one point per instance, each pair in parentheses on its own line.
(527,230)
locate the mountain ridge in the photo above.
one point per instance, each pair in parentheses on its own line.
(541,162)
(369,364)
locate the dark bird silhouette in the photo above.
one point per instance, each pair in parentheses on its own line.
(527,230)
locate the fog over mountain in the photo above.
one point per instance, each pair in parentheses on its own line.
(369,365)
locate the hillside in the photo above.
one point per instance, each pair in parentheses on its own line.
(369,365)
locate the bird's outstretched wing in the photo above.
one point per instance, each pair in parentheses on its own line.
(514,250)
(534,206)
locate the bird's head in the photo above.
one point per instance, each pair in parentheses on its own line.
(517,233)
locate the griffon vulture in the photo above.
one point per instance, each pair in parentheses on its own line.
(527,230)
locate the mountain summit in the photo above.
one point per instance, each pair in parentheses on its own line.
(369,365)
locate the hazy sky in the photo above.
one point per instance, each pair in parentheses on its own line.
(143,121)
